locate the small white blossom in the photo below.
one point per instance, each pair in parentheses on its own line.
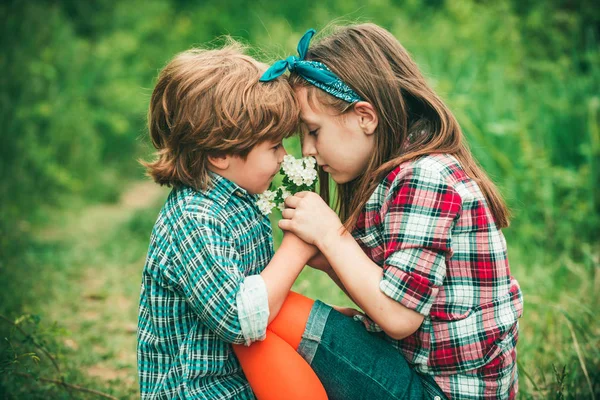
(310,162)
(300,172)
(269,195)
(266,202)
(285,193)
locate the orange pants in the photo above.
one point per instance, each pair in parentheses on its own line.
(273,367)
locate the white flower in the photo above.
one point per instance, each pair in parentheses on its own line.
(297,179)
(269,195)
(266,202)
(285,193)
(309,176)
(301,172)
(310,162)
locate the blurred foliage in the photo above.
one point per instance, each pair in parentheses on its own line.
(523,79)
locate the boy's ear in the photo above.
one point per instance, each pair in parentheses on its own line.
(220,162)
(368,119)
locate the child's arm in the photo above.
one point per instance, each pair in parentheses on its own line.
(362,277)
(357,272)
(284,268)
(320,262)
(208,271)
(417,218)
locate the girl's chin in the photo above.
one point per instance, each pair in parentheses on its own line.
(341,179)
(338,179)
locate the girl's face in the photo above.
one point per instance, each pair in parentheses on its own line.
(342,145)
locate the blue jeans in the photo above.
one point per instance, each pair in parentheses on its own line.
(355,364)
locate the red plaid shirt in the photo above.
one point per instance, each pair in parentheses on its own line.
(429,227)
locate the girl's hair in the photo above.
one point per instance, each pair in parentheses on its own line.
(209,103)
(413,120)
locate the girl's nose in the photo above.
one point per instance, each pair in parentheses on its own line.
(308,146)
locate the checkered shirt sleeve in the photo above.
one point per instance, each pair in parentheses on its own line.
(418,216)
(210,275)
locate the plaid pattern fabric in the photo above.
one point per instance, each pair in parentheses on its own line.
(429,228)
(202,247)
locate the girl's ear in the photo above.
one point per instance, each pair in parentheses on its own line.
(367,117)
(220,163)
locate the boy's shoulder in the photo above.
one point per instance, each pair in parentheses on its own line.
(211,204)
(188,202)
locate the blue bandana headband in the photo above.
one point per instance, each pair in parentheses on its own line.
(316,73)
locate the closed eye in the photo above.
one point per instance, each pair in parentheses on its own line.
(313,133)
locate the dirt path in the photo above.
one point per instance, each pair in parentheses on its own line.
(98,291)
(114,306)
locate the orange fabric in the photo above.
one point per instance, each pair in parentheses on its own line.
(292,318)
(273,367)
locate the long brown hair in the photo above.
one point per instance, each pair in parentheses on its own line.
(413,120)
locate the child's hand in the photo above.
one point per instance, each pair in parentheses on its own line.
(309,217)
(300,246)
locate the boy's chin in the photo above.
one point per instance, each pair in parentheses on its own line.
(260,190)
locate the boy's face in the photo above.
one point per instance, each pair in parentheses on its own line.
(256,172)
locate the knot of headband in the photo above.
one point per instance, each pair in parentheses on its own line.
(314,72)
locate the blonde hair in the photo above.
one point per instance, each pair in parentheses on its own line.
(210,103)
(413,120)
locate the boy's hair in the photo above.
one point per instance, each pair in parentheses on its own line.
(211,103)
(413,120)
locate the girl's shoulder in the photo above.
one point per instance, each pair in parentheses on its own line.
(442,167)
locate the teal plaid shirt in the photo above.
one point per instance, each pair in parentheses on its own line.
(201,293)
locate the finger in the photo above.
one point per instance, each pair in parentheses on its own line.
(292,201)
(285,224)
(302,194)
(288,213)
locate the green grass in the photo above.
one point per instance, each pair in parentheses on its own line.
(85,276)
(522,79)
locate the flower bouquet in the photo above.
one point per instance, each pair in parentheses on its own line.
(299,175)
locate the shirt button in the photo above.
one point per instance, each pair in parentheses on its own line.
(437,398)
(239,193)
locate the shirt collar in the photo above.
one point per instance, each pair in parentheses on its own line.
(221,189)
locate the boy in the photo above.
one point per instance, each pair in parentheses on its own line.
(211,279)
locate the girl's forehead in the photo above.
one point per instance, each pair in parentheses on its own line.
(310,109)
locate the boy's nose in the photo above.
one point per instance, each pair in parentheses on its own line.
(282,153)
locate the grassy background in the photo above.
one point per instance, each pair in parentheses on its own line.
(523,79)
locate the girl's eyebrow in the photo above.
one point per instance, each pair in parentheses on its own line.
(306,120)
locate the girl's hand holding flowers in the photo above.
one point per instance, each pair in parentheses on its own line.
(310,218)
(306,215)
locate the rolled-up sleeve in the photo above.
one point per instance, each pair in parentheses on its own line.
(419,214)
(253,309)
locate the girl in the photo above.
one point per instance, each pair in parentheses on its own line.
(417,243)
